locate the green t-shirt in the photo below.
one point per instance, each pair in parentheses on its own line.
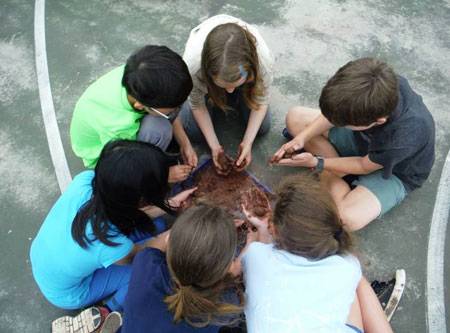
(102,114)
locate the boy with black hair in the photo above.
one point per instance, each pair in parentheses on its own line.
(137,101)
(373,129)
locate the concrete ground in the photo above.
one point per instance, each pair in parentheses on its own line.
(310,41)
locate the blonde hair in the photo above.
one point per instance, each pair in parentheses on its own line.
(201,247)
(228,51)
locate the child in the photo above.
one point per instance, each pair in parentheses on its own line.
(189,289)
(231,67)
(307,280)
(372,125)
(84,249)
(136,101)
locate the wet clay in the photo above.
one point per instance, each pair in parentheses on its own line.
(225,162)
(256,201)
(228,191)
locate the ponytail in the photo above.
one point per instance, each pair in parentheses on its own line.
(306,220)
(201,246)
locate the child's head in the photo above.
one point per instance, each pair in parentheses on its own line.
(200,253)
(128,174)
(157,77)
(362,93)
(230,60)
(306,220)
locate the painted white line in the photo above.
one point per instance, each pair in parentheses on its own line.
(435,260)
(48,111)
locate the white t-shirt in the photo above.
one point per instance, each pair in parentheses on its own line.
(193,54)
(288,293)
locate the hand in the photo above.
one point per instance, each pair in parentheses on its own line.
(303,160)
(252,236)
(295,144)
(178,173)
(238,222)
(178,202)
(244,156)
(189,156)
(261,223)
(215,152)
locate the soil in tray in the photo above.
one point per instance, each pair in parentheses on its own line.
(229,191)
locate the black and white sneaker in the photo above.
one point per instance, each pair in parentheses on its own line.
(389,293)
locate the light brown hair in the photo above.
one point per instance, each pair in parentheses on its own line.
(201,247)
(306,220)
(227,47)
(360,92)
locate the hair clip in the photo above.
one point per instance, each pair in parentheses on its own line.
(241,69)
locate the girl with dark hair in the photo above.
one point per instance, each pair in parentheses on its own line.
(231,68)
(191,287)
(84,249)
(301,275)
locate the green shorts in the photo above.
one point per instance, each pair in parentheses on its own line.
(390,192)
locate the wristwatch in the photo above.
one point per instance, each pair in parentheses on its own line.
(319,167)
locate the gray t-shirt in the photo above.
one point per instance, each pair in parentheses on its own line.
(404,145)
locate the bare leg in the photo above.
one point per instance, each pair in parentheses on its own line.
(297,119)
(357,207)
(373,317)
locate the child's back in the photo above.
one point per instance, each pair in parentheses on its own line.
(189,289)
(288,293)
(306,280)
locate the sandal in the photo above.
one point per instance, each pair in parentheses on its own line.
(88,321)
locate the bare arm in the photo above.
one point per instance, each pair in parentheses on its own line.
(204,121)
(344,165)
(158,242)
(373,317)
(319,126)
(254,123)
(189,155)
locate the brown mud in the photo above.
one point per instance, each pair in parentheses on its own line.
(225,162)
(228,191)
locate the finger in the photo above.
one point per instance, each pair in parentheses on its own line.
(238,222)
(285,161)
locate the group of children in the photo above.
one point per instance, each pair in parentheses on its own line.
(371,143)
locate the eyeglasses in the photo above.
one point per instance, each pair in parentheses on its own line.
(171,117)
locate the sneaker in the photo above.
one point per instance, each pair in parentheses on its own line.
(87,321)
(112,323)
(389,293)
(286,134)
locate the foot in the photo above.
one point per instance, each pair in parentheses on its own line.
(112,323)
(88,321)
(389,293)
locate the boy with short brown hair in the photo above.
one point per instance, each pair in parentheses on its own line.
(371,126)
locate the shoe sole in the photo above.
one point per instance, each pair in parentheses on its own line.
(394,300)
(86,322)
(112,323)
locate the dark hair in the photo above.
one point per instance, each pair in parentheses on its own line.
(201,247)
(306,220)
(227,47)
(360,92)
(158,77)
(128,174)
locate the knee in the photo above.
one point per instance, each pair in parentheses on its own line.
(297,118)
(156,130)
(349,218)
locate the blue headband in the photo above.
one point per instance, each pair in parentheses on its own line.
(241,69)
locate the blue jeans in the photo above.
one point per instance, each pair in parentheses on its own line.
(113,281)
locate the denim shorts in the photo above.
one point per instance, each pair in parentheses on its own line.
(390,192)
(356,329)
